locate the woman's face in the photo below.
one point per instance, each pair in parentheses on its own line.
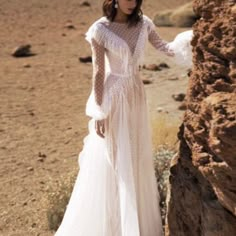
(127,6)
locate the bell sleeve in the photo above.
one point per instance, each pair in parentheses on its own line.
(182,48)
(94,106)
(179,49)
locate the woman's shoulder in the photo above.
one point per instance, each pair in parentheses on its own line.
(148,22)
(100,22)
(147,19)
(96,30)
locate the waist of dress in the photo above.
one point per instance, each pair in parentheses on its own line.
(131,74)
(119,81)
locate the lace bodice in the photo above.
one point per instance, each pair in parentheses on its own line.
(121,46)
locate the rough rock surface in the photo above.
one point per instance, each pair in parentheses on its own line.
(202,194)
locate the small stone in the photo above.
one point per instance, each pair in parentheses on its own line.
(40,159)
(182,106)
(160,109)
(152,67)
(22,51)
(33,225)
(54,160)
(61,75)
(173,78)
(30,168)
(147,81)
(42,27)
(85,59)
(189,72)
(27,65)
(85,4)
(178,97)
(66,142)
(69,25)
(163,65)
(42,155)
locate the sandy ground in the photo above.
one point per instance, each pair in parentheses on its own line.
(42,119)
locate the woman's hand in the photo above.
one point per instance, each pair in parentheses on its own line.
(170,53)
(100,127)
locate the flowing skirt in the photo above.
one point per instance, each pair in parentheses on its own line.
(115,193)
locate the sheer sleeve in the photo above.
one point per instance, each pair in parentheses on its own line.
(94,106)
(98,52)
(159,43)
(179,49)
(156,40)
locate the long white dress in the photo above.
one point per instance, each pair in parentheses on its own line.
(116,193)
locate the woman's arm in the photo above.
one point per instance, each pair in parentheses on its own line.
(98,52)
(95,105)
(180,48)
(155,39)
(159,43)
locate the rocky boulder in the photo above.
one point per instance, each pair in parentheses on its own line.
(202,193)
(183,16)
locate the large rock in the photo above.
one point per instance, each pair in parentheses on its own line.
(184,16)
(202,194)
(162,18)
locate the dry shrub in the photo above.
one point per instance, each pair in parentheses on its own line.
(164,132)
(58,200)
(162,160)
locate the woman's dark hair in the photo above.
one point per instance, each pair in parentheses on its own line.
(109,11)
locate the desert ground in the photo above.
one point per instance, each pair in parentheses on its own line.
(43,97)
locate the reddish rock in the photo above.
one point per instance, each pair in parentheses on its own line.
(147,81)
(152,67)
(179,97)
(22,51)
(164,65)
(182,106)
(202,194)
(85,4)
(69,25)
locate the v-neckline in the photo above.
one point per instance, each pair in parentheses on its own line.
(131,54)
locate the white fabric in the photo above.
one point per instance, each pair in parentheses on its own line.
(116,193)
(182,48)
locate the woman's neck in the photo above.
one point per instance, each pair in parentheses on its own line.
(120,16)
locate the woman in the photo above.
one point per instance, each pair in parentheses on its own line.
(116,193)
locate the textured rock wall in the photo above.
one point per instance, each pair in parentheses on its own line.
(202,194)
